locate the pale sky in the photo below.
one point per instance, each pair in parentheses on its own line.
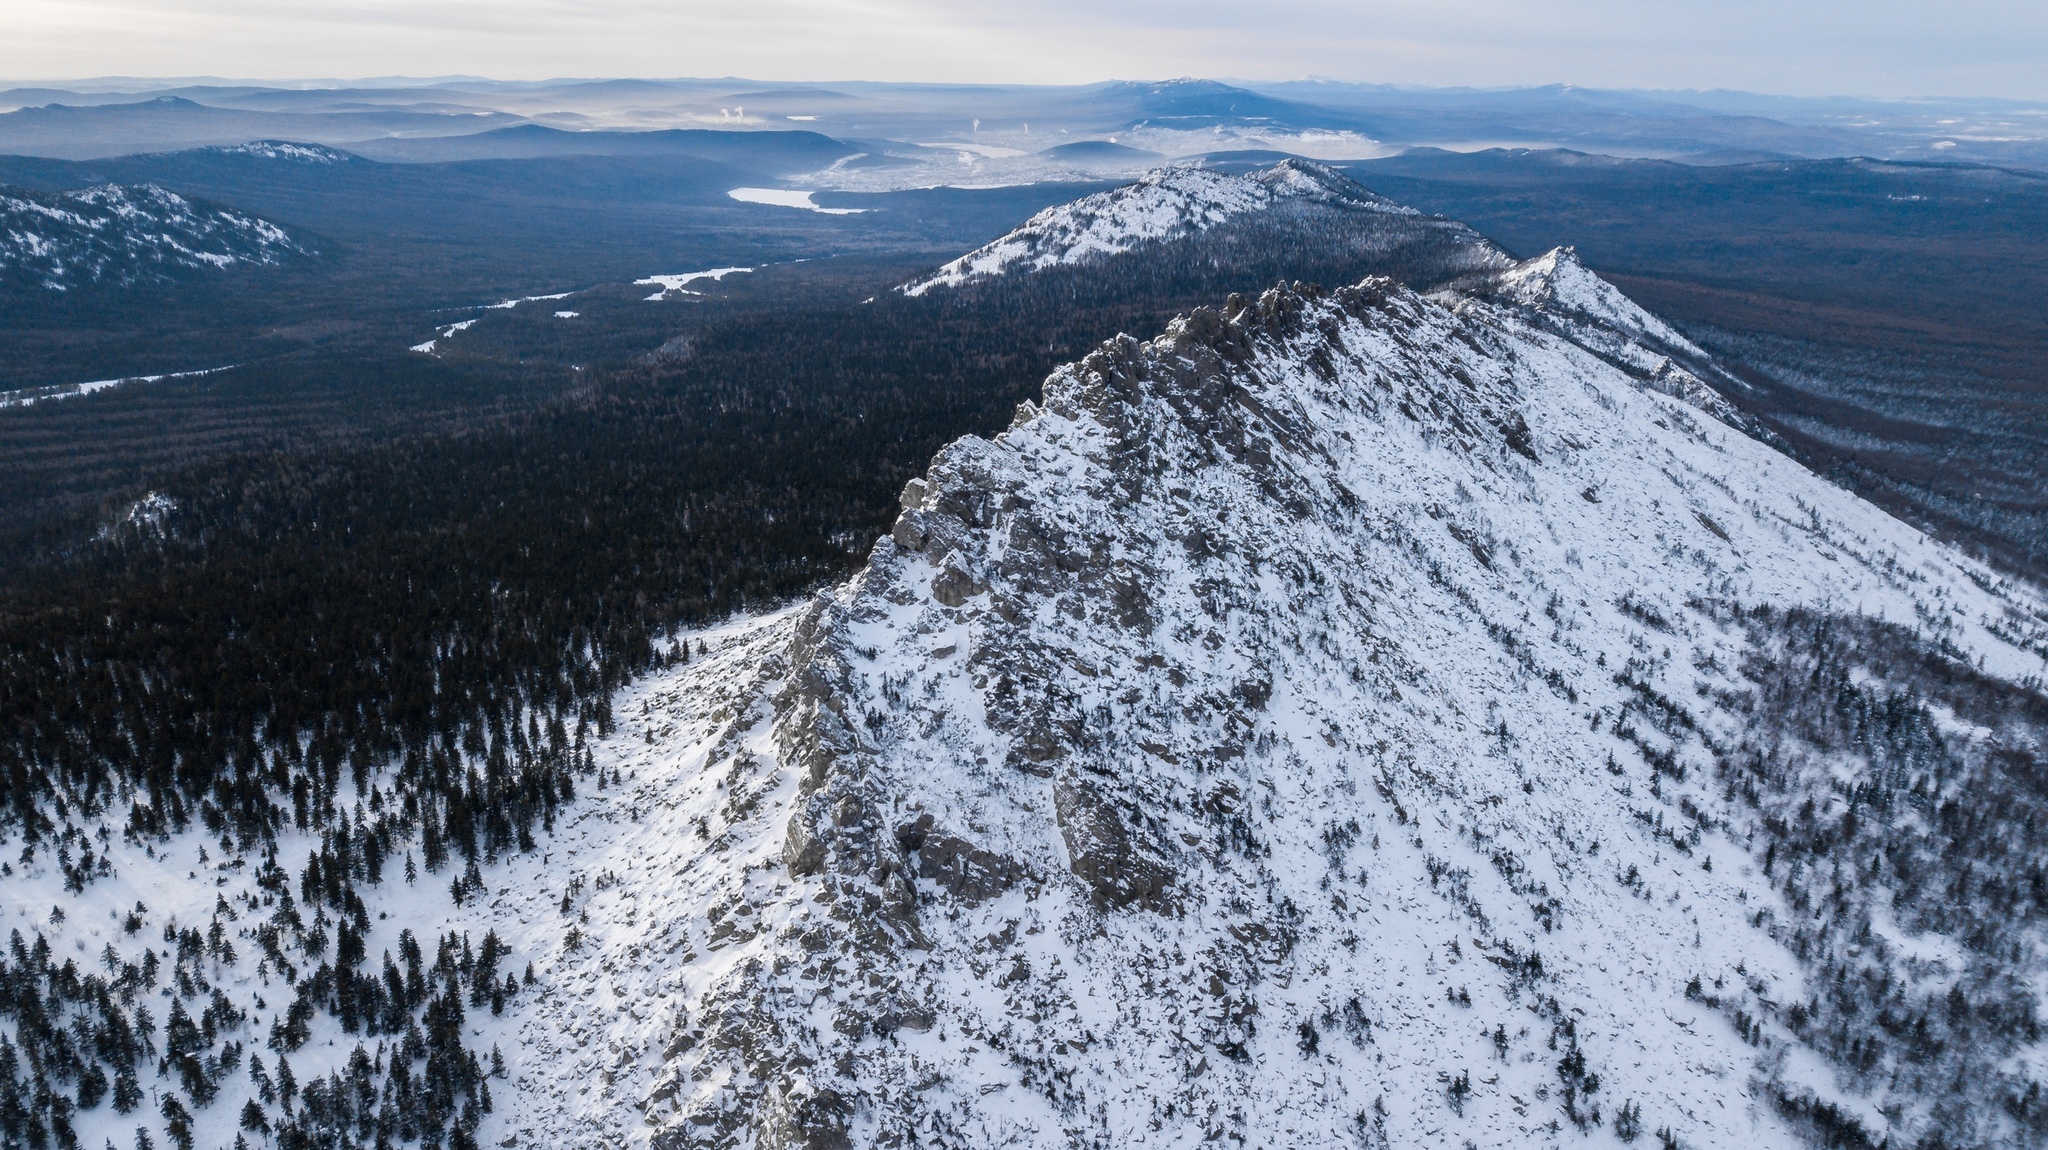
(1794,47)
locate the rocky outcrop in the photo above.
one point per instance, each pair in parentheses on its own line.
(1105,851)
(958,867)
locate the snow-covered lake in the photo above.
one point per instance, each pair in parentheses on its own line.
(29,395)
(676,284)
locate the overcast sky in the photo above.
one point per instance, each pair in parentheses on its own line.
(1798,47)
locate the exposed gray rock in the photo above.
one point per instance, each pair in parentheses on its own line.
(1104,851)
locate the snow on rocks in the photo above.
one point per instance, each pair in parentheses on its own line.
(1556,281)
(645,895)
(1239,747)
(1557,292)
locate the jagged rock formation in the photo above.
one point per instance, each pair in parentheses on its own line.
(1173,206)
(1364,718)
(123,236)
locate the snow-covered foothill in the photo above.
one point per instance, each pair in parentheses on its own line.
(286,150)
(125,235)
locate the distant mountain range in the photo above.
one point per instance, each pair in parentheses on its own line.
(997,125)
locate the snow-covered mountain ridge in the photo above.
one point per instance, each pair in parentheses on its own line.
(318,154)
(1361,718)
(1176,203)
(125,235)
(1558,293)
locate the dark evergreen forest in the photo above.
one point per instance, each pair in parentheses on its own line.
(302,620)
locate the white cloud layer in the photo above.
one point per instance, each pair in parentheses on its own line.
(1816,47)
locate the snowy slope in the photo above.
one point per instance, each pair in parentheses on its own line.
(187,922)
(1557,281)
(1319,725)
(126,235)
(1165,205)
(1558,293)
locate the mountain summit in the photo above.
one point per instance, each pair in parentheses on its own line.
(1172,207)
